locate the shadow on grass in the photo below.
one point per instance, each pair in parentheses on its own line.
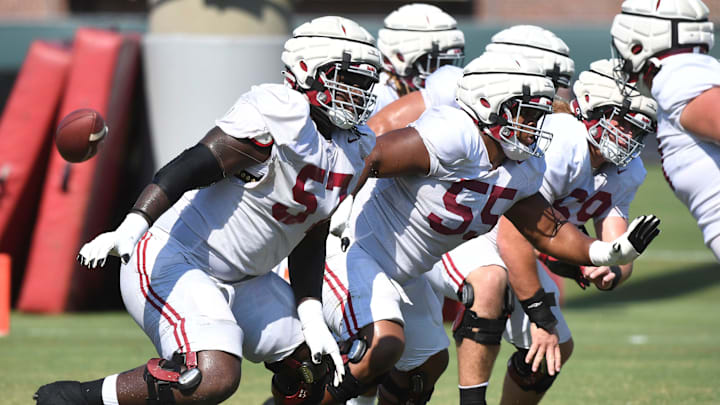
(668,285)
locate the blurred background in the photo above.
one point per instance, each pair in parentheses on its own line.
(161,72)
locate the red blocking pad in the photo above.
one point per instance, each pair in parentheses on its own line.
(78,198)
(25,141)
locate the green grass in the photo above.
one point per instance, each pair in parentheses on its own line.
(656,340)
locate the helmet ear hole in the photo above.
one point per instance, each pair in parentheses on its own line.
(636,49)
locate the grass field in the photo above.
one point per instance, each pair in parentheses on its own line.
(656,340)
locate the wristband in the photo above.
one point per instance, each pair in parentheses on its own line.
(538,309)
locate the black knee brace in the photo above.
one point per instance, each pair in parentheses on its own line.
(162,376)
(468,325)
(485,331)
(416,393)
(521,372)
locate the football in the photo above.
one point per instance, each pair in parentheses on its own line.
(79,134)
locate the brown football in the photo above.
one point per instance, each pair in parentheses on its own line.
(79,134)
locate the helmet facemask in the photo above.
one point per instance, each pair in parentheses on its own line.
(518,117)
(345,92)
(622,72)
(619,134)
(426,64)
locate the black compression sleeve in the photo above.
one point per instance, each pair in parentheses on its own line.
(194,168)
(306,264)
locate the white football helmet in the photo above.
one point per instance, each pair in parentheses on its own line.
(539,45)
(646,29)
(508,95)
(417,39)
(334,61)
(617,120)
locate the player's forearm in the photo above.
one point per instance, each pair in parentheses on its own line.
(519,258)
(567,243)
(625,272)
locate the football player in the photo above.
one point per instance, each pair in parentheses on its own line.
(666,44)
(415,41)
(198,245)
(454,172)
(544,47)
(593,172)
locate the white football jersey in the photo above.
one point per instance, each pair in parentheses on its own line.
(682,78)
(691,165)
(573,187)
(440,87)
(385,92)
(234,228)
(409,222)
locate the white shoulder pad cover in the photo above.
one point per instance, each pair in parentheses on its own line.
(452,140)
(440,87)
(684,77)
(267,109)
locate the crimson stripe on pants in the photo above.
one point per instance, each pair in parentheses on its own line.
(347,294)
(158,303)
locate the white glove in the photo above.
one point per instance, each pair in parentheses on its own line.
(318,337)
(120,242)
(628,246)
(339,221)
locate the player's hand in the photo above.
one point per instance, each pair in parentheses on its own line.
(339,221)
(545,346)
(119,242)
(629,245)
(603,277)
(318,338)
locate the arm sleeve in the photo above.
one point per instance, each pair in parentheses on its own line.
(306,264)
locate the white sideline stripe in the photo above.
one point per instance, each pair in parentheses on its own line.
(678,256)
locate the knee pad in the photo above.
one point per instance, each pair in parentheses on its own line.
(521,372)
(162,376)
(415,394)
(298,381)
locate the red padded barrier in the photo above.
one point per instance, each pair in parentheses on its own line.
(25,138)
(78,199)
